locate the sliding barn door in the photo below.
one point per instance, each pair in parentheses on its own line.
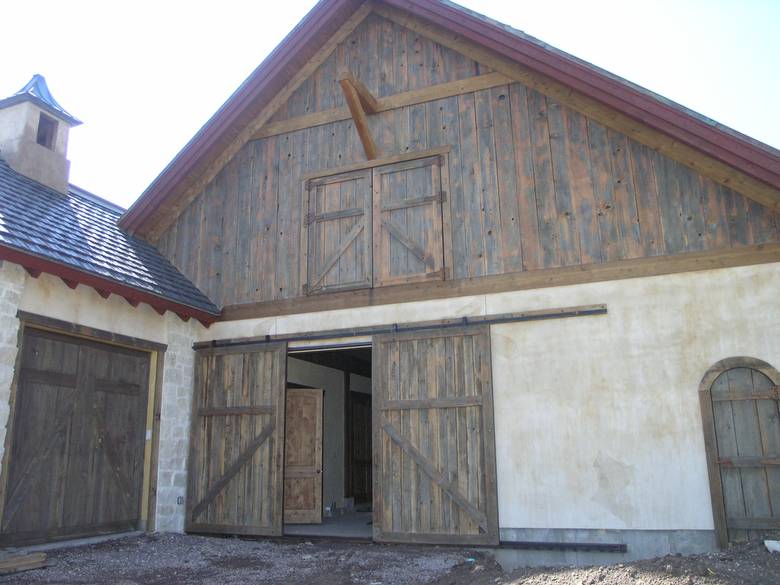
(408,226)
(434,448)
(237,442)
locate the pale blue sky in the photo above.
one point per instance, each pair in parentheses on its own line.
(144,76)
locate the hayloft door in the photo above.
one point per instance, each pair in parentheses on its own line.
(237,441)
(434,448)
(303,456)
(408,237)
(336,241)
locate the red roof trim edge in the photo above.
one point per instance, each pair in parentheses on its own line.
(750,158)
(36,264)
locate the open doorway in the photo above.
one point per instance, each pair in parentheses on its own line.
(328,465)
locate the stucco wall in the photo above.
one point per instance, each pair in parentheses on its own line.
(49,296)
(332,382)
(597,418)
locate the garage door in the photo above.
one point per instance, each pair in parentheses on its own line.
(76,457)
(434,448)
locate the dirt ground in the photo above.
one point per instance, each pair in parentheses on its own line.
(170,559)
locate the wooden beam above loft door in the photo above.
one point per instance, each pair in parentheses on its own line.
(359,101)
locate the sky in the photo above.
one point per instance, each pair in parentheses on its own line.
(144,76)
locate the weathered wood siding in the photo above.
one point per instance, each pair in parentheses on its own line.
(533,184)
(407,61)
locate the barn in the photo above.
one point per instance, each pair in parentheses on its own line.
(422,278)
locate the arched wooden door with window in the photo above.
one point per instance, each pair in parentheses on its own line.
(739,400)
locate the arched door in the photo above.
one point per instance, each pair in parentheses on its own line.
(740,399)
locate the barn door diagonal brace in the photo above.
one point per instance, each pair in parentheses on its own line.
(447,486)
(360,102)
(348,239)
(419,253)
(231,471)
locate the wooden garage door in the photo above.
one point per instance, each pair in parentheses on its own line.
(77,451)
(747,428)
(434,448)
(237,441)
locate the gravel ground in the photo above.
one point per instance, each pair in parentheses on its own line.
(741,565)
(170,559)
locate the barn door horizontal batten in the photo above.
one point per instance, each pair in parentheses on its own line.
(434,447)
(237,442)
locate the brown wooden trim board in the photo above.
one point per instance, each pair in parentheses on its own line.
(515,281)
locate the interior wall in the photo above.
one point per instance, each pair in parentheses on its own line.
(358,383)
(332,382)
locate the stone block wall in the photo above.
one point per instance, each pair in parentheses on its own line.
(175,414)
(12,278)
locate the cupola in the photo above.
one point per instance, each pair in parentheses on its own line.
(34,134)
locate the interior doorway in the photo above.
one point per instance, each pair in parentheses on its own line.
(342,469)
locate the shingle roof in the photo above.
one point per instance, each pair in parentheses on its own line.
(37,91)
(80,230)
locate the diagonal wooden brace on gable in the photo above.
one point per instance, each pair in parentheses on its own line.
(360,102)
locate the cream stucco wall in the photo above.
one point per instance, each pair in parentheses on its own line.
(597,418)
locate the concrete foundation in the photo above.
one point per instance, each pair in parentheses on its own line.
(641,544)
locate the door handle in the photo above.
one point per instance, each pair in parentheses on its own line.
(319,471)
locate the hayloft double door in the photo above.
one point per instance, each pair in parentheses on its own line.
(433,442)
(375,227)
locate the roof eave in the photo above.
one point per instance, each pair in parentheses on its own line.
(36,264)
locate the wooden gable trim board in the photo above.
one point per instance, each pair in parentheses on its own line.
(676,133)
(513,281)
(390,102)
(102,285)
(760,161)
(191,185)
(723,173)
